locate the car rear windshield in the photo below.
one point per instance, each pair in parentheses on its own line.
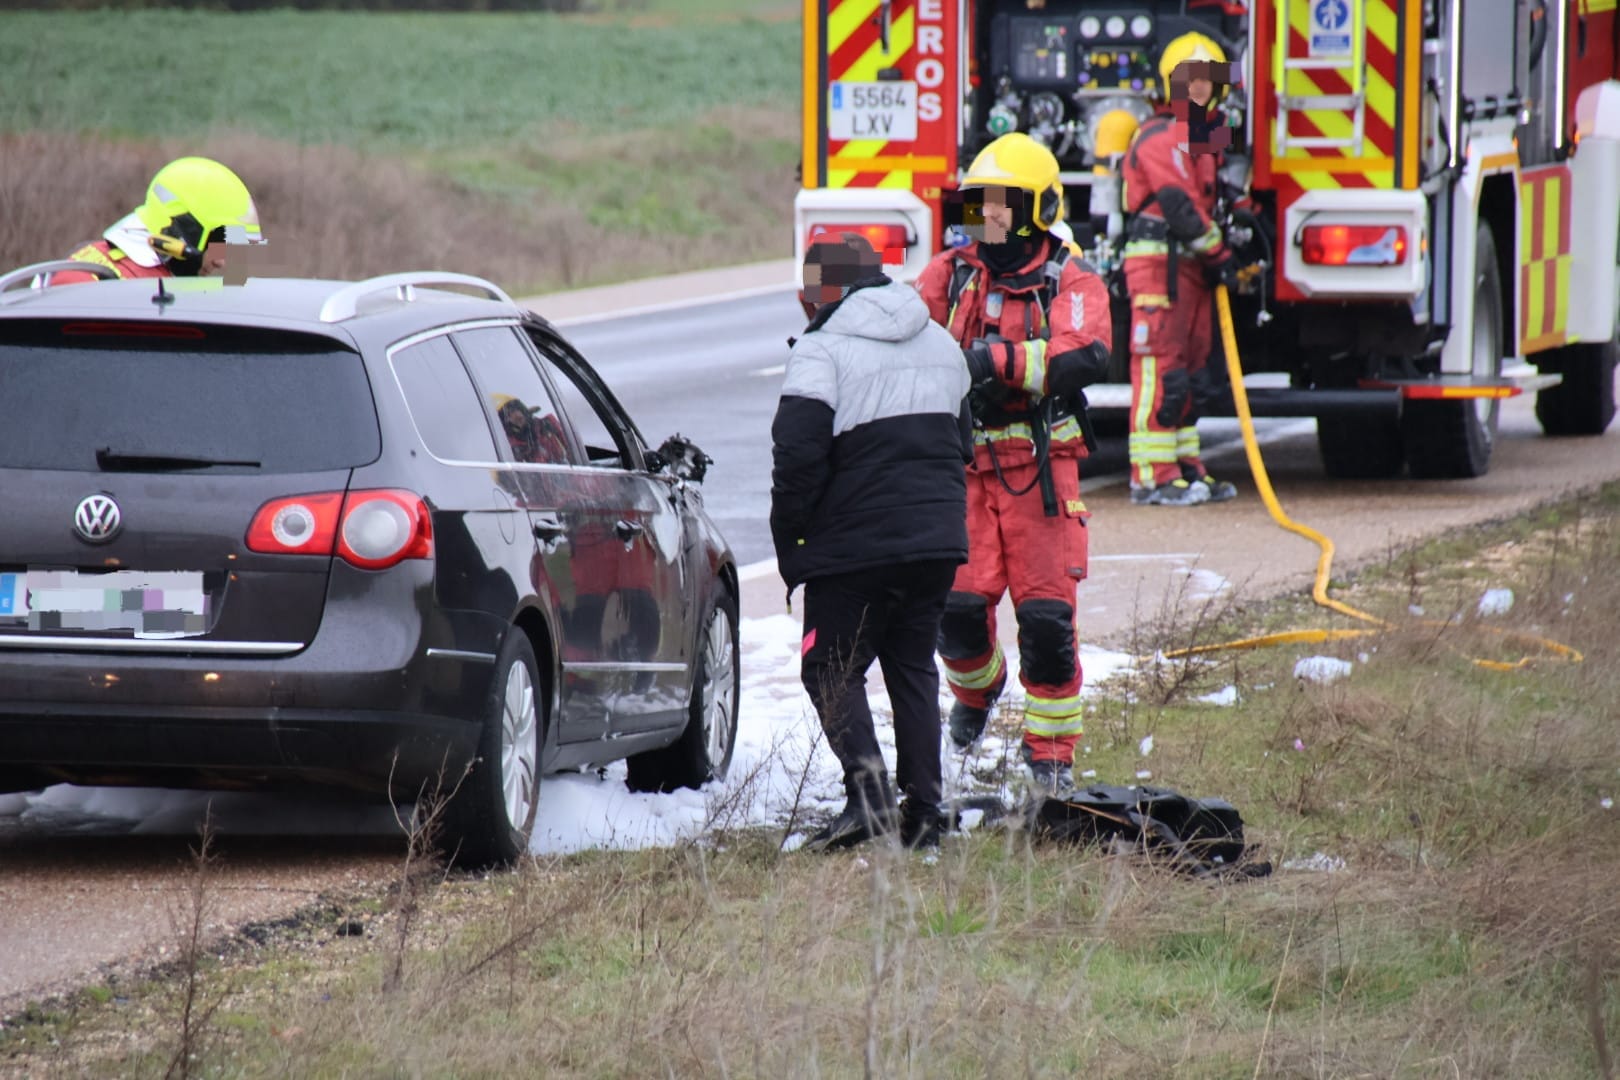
(284,403)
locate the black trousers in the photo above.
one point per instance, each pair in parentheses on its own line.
(889,614)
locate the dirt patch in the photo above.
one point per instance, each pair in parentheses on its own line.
(583,213)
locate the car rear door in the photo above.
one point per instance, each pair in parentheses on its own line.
(133,459)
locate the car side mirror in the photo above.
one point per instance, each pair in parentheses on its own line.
(682,458)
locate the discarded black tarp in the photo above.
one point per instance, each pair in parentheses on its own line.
(1199,837)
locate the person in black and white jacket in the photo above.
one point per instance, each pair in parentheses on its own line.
(869,513)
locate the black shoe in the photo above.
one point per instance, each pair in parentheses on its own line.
(868,812)
(853,826)
(967,724)
(921,825)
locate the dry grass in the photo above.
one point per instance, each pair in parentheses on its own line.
(580,210)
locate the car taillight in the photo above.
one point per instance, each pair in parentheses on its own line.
(300,525)
(890,241)
(1354,245)
(372,530)
(383,528)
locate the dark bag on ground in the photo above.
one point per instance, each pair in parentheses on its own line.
(1201,837)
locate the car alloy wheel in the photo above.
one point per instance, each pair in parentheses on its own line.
(519,747)
(719,688)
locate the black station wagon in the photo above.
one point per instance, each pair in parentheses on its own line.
(382,536)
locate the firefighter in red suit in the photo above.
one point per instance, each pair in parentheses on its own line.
(1034,325)
(195,207)
(1174,253)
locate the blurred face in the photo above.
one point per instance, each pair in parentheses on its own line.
(998,216)
(819,286)
(1200,90)
(213,260)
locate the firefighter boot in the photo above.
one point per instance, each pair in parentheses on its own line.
(967,721)
(869,811)
(1175,493)
(1219,490)
(1047,778)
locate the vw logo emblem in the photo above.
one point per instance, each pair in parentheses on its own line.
(98,519)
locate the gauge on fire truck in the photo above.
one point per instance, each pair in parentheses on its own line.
(1123,26)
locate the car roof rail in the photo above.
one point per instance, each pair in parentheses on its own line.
(11,279)
(344,303)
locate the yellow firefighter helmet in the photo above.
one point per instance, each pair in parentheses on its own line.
(1114,131)
(1018,161)
(1189,46)
(192,201)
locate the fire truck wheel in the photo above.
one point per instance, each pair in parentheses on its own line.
(1359,449)
(1583,404)
(1453,439)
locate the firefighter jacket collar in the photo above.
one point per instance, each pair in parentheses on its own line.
(128,235)
(1028,278)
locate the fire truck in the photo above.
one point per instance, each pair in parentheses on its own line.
(1431,189)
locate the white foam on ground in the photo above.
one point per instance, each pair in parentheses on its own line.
(1322,669)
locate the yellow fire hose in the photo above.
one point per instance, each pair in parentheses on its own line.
(1324,562)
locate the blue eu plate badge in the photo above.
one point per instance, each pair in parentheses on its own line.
(13,595)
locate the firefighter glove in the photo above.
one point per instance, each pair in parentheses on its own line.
(985,388)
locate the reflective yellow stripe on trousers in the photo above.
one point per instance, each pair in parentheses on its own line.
(980,678)
(1054,716)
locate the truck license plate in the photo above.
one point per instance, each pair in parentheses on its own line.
(872,110)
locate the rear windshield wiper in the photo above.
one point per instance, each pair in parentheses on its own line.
(111,460)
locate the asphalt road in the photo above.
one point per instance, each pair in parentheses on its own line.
(78,893)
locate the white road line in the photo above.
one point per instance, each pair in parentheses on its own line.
(765,372)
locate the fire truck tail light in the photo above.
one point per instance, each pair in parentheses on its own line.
(891,241)
(1354,245)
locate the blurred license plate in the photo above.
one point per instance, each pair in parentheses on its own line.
(164,604)
(875,110)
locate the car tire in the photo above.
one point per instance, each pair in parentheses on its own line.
(1453,439)
(1583,404)
(703,750)
(491,815)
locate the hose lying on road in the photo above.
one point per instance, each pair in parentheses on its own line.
(1324,562)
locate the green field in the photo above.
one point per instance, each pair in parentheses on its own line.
(658,139)
(387,81)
